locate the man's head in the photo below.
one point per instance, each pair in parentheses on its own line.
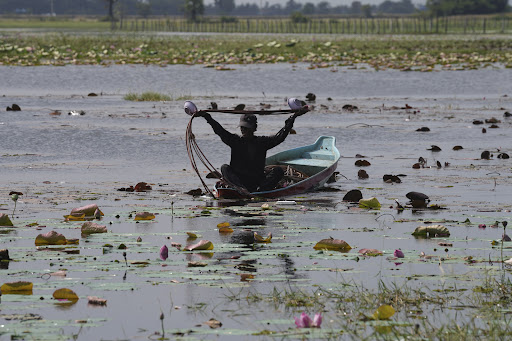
(248,122)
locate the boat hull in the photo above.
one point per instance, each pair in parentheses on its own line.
(319,161)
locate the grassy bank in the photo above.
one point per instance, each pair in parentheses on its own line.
(423,53)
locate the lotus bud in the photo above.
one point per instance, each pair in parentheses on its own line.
(398,253)
(164,252)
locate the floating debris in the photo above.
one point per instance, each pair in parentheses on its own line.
(486,155)
(362,163)
(13,107)
(195,192)
(389,178)
(434,148)
(361,174)
(311,97)
(353,195)
(4,254)
(417,199)
(431,231)
(349,107)
(94,300)
(76,113)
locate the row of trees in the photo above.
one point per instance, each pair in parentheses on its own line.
(455,7)
(196,8)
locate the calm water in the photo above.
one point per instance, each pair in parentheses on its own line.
(62,162)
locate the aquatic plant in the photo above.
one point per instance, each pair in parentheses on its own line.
(148,96)
(304,321)
(14,197)
(406,53)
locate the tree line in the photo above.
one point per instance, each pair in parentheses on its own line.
(195,9)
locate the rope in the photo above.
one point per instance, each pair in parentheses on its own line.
(193,148)
(194,151)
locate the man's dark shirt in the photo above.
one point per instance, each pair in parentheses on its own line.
(248,154)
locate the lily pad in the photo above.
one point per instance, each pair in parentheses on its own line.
(384,312)
(431,231)
(371,203)
(65,294)
(16,287)
(5,220)
(332,244)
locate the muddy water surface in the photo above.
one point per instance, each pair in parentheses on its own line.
(64,161)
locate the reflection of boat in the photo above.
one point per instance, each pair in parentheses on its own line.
(306,168)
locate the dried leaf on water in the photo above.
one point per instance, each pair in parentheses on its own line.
(191,235)
(201,245)
(60,273)
(332,244)
(225,229)
(431,231)
(370,252)
(50,238)
(94,300)
(246,277)
(259,239)
(84,212)
(213,323)
(89,228)
(74,218)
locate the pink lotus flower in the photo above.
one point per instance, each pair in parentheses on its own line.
(164,253)
(398,253)
(304,321)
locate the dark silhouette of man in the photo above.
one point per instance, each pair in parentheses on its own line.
(248,153)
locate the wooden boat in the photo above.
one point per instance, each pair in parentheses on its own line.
(306,169)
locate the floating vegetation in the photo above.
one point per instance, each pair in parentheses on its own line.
(405,53)
(148,96)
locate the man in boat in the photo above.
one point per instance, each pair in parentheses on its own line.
(248,153)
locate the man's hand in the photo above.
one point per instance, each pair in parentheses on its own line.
(301,111)
(200,113)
